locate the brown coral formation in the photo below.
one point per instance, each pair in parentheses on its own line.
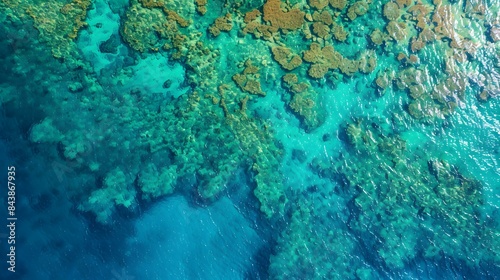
(252,15)
(397,30)
(318,71)
(420,14)
(377,37)
(452,89)
(425,36)
(349,66)
(384,80)
(255,26)
(391,11)
(290,20)
(248,80)
(286,58)
(224,23)
(171,15)
(140,34)
(404,3)
(358,8)
(322,60)
(431,101)
(368,61)
(444,21)
(339,32)
(338,4)
(58,23)
(150,26)
(495,33)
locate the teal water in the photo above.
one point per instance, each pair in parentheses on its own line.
(149,146)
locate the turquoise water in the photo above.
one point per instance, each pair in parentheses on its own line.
(228,139)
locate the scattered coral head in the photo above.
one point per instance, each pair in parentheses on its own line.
(383,80)
(321,30)
(286,58)
(290,20)
(349,66)
(322,59)
(391,11)
(201,6)
(495,33)
(223,23)
(339,32)
(248,81)
(324,17)
(338,4)
(318,4)
(368,61)
(397,30)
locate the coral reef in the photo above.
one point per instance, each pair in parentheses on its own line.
(136,141)
(338,4)
(322,59)
(318,4)
(391,11)
(221,24)
(304,102)
(306,251)
(286,58)
(248,80)
(358,8)
(45,131)
(255,145)
(289,20)
(138,30)
(397,30)
(58,22)
(115,190)
(397,201)
(155,183)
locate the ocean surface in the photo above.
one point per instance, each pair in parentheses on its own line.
(261,139)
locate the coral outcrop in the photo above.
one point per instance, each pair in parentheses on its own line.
(224,23)
(286,58)
(305,102)
(322,60)
(286,20)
